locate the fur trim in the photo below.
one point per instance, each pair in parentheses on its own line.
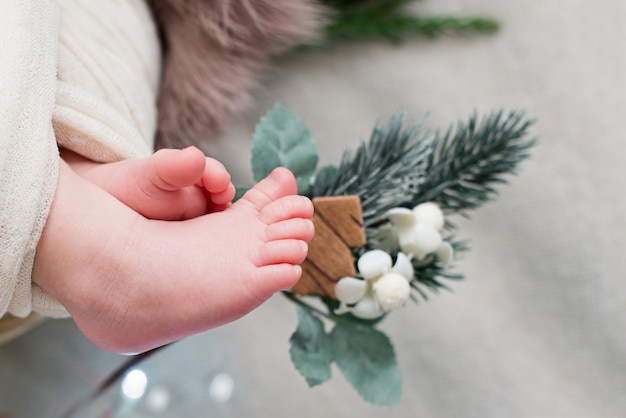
(214,52)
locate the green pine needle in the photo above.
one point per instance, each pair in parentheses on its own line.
(467,162)
(389,19)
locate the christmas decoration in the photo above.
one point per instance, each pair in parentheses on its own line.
(367,261)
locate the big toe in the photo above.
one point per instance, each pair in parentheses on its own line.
(173,169)
(279,183)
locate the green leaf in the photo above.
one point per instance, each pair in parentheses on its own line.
(366,358)
(311,352)
(281,139)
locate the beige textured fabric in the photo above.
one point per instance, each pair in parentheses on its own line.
(106,112)
(55,87)
(29,157)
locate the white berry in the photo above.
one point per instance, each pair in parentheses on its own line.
(373,264)
(350,290)
(391,291)
(429,213)
(367,308)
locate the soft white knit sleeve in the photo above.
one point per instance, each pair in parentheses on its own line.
(78,74)
(28,151)
(108,75)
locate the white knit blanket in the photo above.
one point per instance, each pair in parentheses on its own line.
(80,74)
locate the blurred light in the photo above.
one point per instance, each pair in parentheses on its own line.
(134,384)
(221,387)
(158,399)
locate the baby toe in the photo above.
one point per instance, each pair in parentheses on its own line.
(278,184)
(224,197)
(216,178)
(298,228)
(277,277)
(172,169)
(288,207)
(286,251)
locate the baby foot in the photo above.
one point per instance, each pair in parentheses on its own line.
(133,284)
(214,269)
(169,185)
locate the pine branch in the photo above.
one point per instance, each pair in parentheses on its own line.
(466,164)
(389,19)
(398,28)
(385,172)
(402,167)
